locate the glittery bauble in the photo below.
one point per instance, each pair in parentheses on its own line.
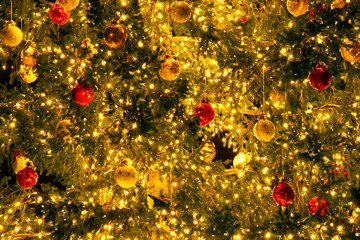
(28,74)
(27,177)
(59,14)
(297,7)
(69,4)
(180,11)
(351,54)
(170,69)
(264,130)
(320,79)
(126,176)
(82,94)
(11,35)
(204,112)
(158,183)
(314,205)
(115,35)
(241,159)
(28,54)
(283,194)
(337,4)
(21,162)
(208,151)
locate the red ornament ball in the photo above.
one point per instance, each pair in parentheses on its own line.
(204,112)
(59,14)
(314,205)
(283,194)
(82,94)
(320,79)
(27,178)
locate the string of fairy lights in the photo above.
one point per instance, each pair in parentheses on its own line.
(213,75)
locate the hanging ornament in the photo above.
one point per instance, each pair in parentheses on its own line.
(86,49)
(158,183)
(69,4)
(283,193)
(82,94)
(320,79)
(339,169)
(297,7)
(241,159)
(314,205)
(264,130)
(21,162)
(62,129)
(115,35)
(208,151)
(11,35)
(204,112)
(180,12)
(170,69)
(351,54)
(27,177)
(59,14)
(126,176)
(28,74)
(28,55)
(337,4)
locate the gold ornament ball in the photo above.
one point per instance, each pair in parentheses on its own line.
(126,176)
(351,54)
(264,130)
(69,4)
(208,152)
(115,35)
(28,54)
(180,11)
(11,36)
(170,69)
(297,7)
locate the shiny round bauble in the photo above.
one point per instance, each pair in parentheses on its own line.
(170,69)
(11,35)
(320,78)
(59,14)
(204,112)
(126,176)
(115,35)
(315,204)
(264,130)
(208,151)
(351,54)
(180,11)
(28,55)
(283,194)
(27,177)
(69,4)
(82,94)
(297,7)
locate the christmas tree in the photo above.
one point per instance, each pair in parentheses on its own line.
(198,119)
